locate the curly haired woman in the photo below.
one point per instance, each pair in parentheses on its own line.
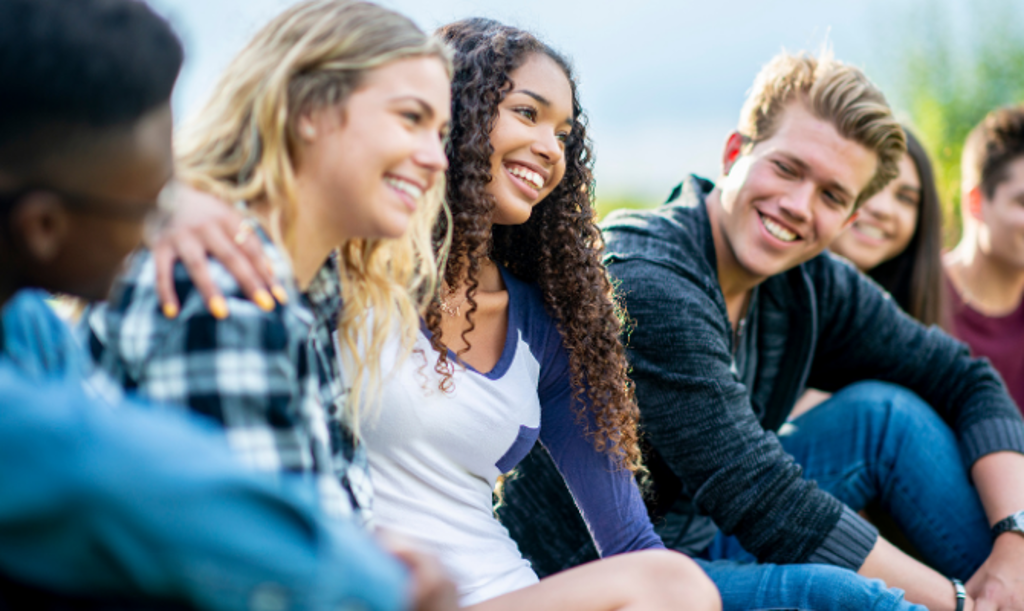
(522,344)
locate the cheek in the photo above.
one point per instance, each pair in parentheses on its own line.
(831,224)
(907,225)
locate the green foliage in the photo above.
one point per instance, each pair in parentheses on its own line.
(953,64)
(606,205)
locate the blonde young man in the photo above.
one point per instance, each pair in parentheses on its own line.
(737,308)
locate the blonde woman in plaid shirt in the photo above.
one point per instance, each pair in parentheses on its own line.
(329,126)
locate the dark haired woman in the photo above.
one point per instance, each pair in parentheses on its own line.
(897,241)
(522,344)
(897,238)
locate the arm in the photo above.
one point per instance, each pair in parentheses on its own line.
(607,495)
(999,478)
(865,336)
(142,502)
(699,418)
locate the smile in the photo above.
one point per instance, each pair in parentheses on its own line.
(404,186)
(527,175)
(777,230)
(870,231)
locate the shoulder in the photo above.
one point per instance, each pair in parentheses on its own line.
(132,326)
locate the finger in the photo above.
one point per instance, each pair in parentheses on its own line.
(163,260)
(230,223)
(240,266)
(252,248)
(193,256)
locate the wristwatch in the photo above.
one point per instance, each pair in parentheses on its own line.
(1014,523)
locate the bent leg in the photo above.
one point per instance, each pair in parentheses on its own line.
(878,441)
(817,587)
(656,580)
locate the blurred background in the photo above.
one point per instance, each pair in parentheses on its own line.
(663,80)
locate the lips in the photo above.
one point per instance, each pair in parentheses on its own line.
(870,231)
(409,191)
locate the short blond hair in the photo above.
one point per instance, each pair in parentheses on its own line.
(835,92)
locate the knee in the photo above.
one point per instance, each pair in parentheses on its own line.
(671,578)
(891,403)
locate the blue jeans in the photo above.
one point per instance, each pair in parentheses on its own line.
(871,441)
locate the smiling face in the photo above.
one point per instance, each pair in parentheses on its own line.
(785,200)
(885,223)
(1002,218)
(534,121)
(369,163)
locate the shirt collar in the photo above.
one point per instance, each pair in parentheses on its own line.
(324,292)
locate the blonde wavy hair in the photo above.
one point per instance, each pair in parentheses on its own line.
(240,148)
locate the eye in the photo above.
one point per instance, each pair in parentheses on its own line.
(563,137)
(412,116)
(908,199)
(831,197)
(529,113)
(784,169)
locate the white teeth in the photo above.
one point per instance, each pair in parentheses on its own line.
(871,231)
(404,186)
(528,175)
(778,230)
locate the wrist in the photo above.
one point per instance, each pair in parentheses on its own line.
(960,594)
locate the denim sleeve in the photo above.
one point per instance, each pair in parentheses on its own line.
(139,501)
(606,494)
(865,336)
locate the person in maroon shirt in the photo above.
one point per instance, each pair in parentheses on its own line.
(985,272)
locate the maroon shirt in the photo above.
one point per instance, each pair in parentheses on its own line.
(1000,339)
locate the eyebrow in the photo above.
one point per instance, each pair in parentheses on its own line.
(541,100)
(427,108)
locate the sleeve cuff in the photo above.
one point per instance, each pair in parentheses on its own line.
(848,544)
(988,436)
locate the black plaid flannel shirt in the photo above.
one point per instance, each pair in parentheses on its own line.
(272,380)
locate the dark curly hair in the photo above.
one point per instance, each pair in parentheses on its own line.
(559,248)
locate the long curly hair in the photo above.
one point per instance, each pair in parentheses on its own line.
(241,145)
(559,248)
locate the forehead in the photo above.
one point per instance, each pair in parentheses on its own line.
(423,77)
(542,75)
(816,144)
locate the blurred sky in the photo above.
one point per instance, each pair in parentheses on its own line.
(662,80)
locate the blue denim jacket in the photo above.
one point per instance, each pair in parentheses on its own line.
(148,503)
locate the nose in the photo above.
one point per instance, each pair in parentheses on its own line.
(878,206)
(430,155)
(797,204)
(548,146)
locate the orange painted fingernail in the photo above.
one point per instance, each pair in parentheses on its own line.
(264,300)
(280,294)
(218,307)
(170,310)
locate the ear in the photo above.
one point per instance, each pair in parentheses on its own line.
(41,224)
(307,128)
(973,203)
(732,152)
